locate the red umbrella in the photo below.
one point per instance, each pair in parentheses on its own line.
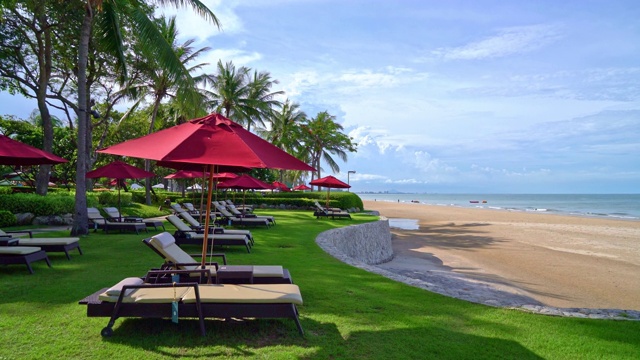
(186,174)
(280,186)
(119,170)
(211,140)
(13,152)
(244,182)
(330,182)
(301,187)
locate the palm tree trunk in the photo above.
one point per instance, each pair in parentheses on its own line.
(147,163)
(81,221)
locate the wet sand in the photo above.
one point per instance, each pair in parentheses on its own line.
(560,261)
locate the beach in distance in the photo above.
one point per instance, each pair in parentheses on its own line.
(558,260)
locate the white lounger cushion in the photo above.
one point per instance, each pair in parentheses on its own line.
(18,250)
(268,271)
(246,294)
(117,288)
(48,241)
(166,245)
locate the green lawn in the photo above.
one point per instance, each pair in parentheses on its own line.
(347,312)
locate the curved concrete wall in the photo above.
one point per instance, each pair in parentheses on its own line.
(369,243)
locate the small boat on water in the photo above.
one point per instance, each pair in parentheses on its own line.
(474,201)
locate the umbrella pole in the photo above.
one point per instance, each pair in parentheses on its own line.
(204,173)
(328,192)
(205,240)
(119,207)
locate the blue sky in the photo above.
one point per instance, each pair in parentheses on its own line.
(451,96)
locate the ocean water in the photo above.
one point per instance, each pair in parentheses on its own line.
(619,206)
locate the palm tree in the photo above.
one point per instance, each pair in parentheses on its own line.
(285,132)
(160,84)
(285,127)
(230,91)
(322,138)
(241,96)
(112,13)
(261,99)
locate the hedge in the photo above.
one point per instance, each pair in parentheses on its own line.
(52,204)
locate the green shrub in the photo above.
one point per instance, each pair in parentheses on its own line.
(6,190)
(7,218)
(110,198)
(52,204)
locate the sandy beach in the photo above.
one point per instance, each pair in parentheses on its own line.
(560,261)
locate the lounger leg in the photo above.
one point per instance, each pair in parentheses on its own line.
(80,250)
(29,266)
(297,320)
(67,253)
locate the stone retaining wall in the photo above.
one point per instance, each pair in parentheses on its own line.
(368,243)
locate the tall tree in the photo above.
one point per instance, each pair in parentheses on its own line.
(261,99)
(111,14)
(160,84)
(285,132)
(243,96)
(28,36)
(323,139)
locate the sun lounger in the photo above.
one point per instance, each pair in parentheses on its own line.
(133,298)
(54,244)
(114,216)
(99,222)
(195,225)
(232,209)
(22,255)
(165,246)
(235,220)
(244,208)
(47,244)
(187,236)
(335,213)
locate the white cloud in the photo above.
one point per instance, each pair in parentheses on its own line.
(193,26)
(508,41)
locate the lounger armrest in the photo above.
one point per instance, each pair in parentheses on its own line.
(220,255)
(20,232)
(155,274)
(197,264)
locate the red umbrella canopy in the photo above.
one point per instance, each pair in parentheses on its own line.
(225,176)
(281,186)
(13,152)
(201,167)
(119,170)
(244,182)
(330,182)
(301,187)
(210,140)
(187,174)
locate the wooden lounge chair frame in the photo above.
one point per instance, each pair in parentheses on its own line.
(27,259)
(198,309)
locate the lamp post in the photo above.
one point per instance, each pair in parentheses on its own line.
(349,173)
